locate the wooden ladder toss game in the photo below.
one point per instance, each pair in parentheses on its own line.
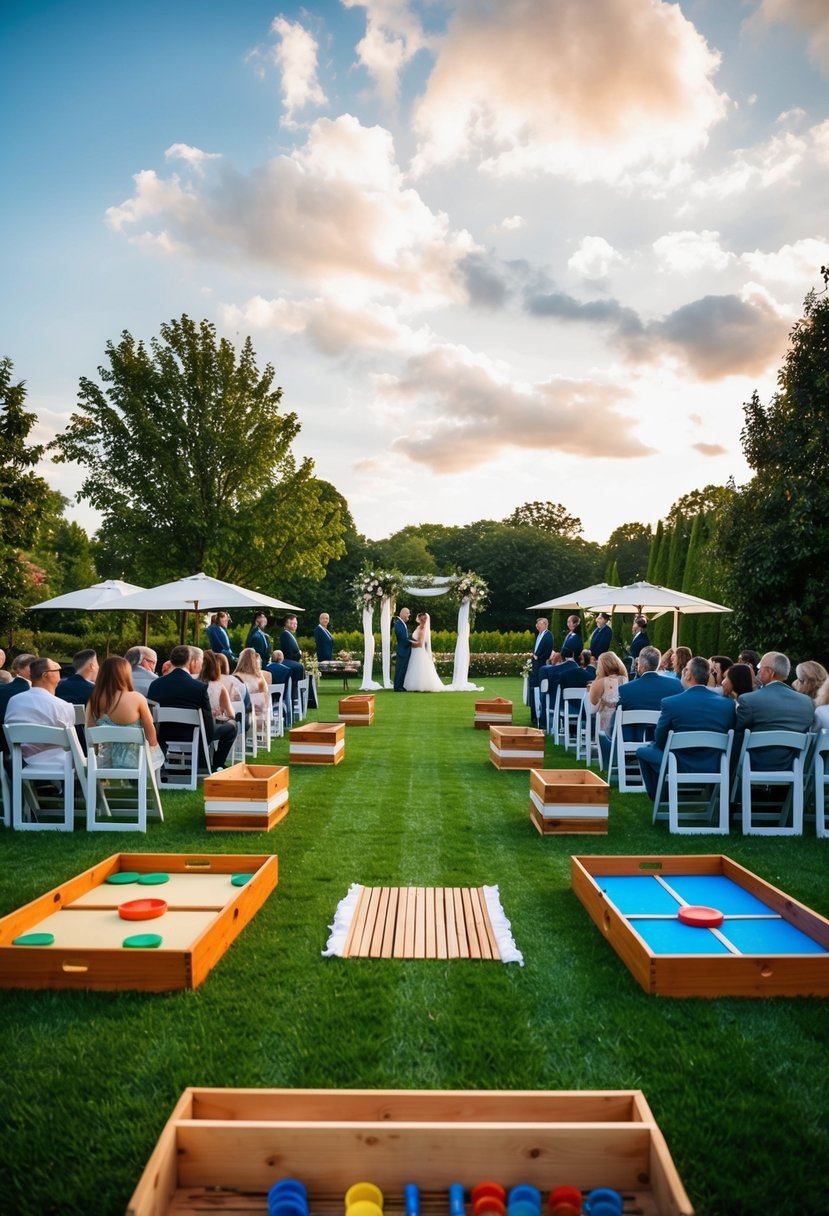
(421,922)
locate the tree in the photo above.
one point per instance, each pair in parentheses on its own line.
(776,528)
(549,517)
(23,498)
(628,547)
(188,457)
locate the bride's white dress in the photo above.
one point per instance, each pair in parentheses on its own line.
(421,674)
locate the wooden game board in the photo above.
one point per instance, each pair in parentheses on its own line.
(421,922)
(767,945)
(205,915)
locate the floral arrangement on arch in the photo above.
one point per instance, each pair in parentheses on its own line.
(373,586)
(471,586)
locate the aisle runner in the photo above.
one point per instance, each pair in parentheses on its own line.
(422,922)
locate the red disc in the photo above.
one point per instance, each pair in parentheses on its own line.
(565,1209)
(492,1190)
(142,909)
(700,917)
(489,1204)
(565,1194)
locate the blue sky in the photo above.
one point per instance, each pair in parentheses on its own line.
(496,252)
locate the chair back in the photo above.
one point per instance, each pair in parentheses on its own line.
(787,750)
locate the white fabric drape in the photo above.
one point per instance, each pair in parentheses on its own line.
(460,671)
(385,641)
(368,685)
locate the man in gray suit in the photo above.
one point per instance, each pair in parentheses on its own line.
(775,706)
(143,662)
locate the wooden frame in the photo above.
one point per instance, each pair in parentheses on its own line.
(246,798)
(241,1141)
(754,975)
(568,801)
(111,968)
(516,747)
(497,711)
(317,743)
(356,710)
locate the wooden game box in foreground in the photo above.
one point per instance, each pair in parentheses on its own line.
(104,965)
(222,1149)
(570,801)
(705,975)
(246,798)
(516,747)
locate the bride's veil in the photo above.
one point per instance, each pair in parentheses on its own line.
(427,633)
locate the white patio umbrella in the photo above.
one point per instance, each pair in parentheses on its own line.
(198,592)
(648,597)
(108,596)
(578,599)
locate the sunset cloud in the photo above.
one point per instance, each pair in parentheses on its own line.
(687,252)
(393,37)
(330,327)
(810,17)
(296,57)
(587,91)
(594,258)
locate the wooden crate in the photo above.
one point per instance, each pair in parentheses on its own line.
(357,710)
(570,801)
(222,1149)
(206,914)
(317,743)
(687,974)
(495,712)
(514,747)
(246,798)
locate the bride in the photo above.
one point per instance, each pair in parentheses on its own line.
(421,674)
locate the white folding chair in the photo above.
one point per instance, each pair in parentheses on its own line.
(765,820)
(252,732)
(553,724)
(30,806)
(706,809)
(819,776)
(181,761)
(623,751)
(263,728)
(587,733)
(301,700)
(571,700)
(110,789)
(277,692)
(5,794)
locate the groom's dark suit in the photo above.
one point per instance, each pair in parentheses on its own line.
(404,650)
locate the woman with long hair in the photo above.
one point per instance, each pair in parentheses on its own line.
(249,671)
(811,677)
(821,721)
(211,675)
(604,691)
(738,680)
(680,660)
(720,664)
(114,702)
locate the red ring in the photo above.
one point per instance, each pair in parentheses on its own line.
(565,1194)
(492,1189)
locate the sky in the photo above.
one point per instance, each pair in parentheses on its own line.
(498,251)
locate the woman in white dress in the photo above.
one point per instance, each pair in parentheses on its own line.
(421,674)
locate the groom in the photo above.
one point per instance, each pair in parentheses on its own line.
(404,648)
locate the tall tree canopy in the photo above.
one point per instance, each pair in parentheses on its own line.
(23,497)
(188,457)
(550,517)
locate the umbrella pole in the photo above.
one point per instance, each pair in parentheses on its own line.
(182,622)
(675,638)
(146,627)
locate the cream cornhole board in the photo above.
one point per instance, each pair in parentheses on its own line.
(495,712)
(246,798)
(222,1149)
(357,710)
(512,747)
(317,743)
(568,802)
(206,911)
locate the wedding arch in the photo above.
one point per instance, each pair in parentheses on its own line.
(385,587)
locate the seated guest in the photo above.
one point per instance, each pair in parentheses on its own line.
(811,677)
(114,702)
(821,719)
(774,706)
(218,636)
(587,665)
(143,662)
(572,646)
(324,639)
(602,636)
(20,682)
(647,691)
(5,676)
(604,694)
(666,663)
(77,688)
(181,689)
(738,679)
(38,706)
(211,675)
(638,642)
(682,656)
(697,708)
(249,671)
(237,690)
(278,670)
(561,673)
(720,664)
(752,658)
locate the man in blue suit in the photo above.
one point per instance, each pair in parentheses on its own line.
(697,708)
(646,692)
(404,648)
(775,706)
(540,656)
(324,639)
(181,689)
(572,646)
(638,643)
(293,655)
(77,688)
(601,636)
(567,673)
(258,640)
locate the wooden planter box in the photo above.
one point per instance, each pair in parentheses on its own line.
(775,948)
(568,801)
(246,798)
(512,747)
(357,710)
(495,712)
(317,743)
(222,1149)
(205,915)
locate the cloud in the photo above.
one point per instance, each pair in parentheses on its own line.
(796,266)
(811,17)
(336,208)
(710,449)
(594,258)
(719,336)
(511,223)
(194,157)
(686,252)
(333,329)
(468,412)
(784,159)
(588,91)
(296,57)
(393,37)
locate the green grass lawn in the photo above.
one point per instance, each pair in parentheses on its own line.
(740,1087)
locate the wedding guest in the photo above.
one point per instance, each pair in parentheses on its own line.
(573,645)
(681,657)
(602,636)
(218,637)
(324,639)
(249,671)
(811,677)
(604,693)
(720,664)
(114,702)
(211,675)
(5,676)
(666,664)
(257,639)
(539,657)
(143,662)
(20,682)
(234,686)
(738,680)
(638,642)
(77,688)
(180,688)
(821,719)
(752,658)
(38,706)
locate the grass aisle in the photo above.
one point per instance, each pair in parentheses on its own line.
(740,1087)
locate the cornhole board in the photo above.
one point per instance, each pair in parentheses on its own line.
(421,922)
(317,743)
(495,712)
(222,1149)
(205,914)
(568,801)
(516,747)
(767,945)
(356,710)
(246,798)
